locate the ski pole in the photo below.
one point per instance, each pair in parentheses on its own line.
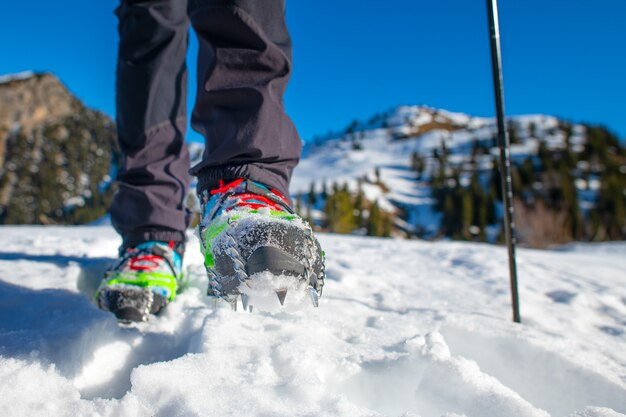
(505,161)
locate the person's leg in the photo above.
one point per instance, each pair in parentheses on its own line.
(149,208)
(252,147)
(244,64)
(151,120)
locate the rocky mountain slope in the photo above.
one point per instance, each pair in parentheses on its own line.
(56,155)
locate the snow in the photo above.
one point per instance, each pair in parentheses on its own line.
(422,130)
(17,76)
(404,328)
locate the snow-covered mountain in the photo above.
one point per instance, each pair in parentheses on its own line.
(379,157)
(405,328)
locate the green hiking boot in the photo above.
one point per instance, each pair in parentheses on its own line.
(143,282)
(248,230)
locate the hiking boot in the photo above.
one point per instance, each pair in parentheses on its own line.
(248,230)
(143,282)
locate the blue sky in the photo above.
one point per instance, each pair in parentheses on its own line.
(354,58)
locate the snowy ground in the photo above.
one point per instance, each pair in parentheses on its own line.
(405,328)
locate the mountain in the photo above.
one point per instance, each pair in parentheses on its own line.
(412,171)
(57,157)
(431,173)
(404,328)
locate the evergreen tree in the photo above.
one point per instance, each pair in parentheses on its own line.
(612,204)
(467,214)
(545,157)
(491,209)
(516,180)
(417,164)
(414,158)
(527,173)
(567,132)
(387,226)
(340,212)
(374,221)
(352,127)
(479,203)
(444,150)
(312,198)
(330,210)
(449,215)
(495,183)
(358,207)
(512,131)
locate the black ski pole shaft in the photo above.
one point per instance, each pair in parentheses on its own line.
(505,160)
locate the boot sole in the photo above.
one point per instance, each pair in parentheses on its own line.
(131,304)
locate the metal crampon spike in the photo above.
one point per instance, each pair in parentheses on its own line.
(244,301)
(314,297)
(281,294)
(214,303)
(233,304)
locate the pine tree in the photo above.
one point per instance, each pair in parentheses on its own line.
(449,215)
(387,226)
(527,173)
(358,207)
(340,212)
(374,221)
(545,157)
(312,198)
(491,209)
(417,164)
(444,150)
(414,159)
(352,127)
(516,180)
(467,213)
(479,203)
(495,183)
(569,202)
(329,211)
(512,131)
(612,205)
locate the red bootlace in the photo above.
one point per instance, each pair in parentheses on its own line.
(144,263)
(258,201)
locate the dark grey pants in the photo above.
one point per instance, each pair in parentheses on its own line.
(244,64)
